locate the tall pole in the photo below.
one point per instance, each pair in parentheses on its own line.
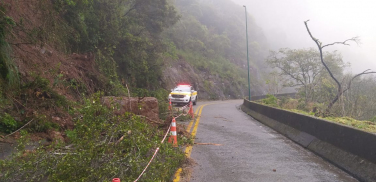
(246,32)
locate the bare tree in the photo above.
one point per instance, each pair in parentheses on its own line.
(340,89)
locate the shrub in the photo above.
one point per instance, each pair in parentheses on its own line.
(373,119)
(102,146)
(8,70)
(270,100)
(7,123)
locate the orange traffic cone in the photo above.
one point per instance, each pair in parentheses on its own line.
(170,106)
(173,134)
(190,112)
(116,180)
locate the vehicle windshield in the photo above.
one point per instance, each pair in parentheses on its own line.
(182,89)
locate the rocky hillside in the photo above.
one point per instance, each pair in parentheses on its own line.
(209,86)
(54,54)
(60,58)
(43,82)
(209,49)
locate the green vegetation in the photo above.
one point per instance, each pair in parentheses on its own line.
(292,105)
(37,93)
(102,146)
(303,70)
(363,125)
(270,100)
(130,43)
(8,70)
(42,90)
(124,35)
(373,119)
(211,37)
(320,79)
(7,123)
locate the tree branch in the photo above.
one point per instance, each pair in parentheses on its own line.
(295,85)
(318,43)
(310,34)
(20,43)
(354,39)
(292,76)
(362,73)
(130,9)
(19,128)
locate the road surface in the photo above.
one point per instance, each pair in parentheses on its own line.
(232,146)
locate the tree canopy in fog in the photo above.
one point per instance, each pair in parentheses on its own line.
(303,68)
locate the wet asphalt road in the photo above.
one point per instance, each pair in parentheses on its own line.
(250,151)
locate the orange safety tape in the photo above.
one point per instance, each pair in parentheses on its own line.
(156,151)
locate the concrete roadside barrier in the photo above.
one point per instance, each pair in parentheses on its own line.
(348,148)
(286,95)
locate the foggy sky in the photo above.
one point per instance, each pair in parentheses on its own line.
(330,21)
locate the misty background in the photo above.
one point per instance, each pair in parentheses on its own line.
(330,21)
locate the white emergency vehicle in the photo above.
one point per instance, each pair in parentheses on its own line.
(183,94)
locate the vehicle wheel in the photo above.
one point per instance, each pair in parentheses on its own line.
(194,103)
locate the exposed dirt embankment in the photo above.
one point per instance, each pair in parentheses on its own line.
(49,77)
(43,54)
